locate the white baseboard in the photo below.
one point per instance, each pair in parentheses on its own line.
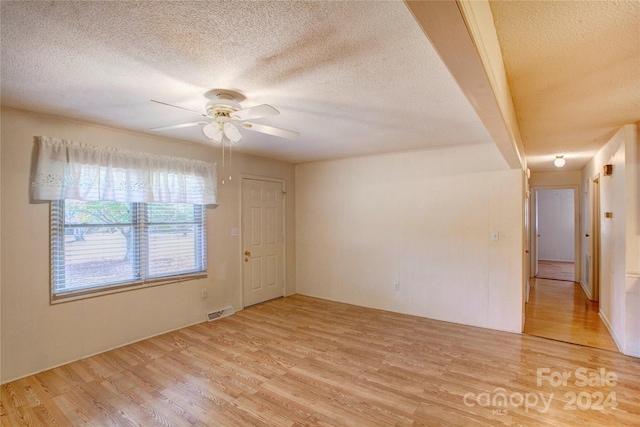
(633,353)
(611,331)
(586,289)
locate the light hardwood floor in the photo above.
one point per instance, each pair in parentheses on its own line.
(561,311)
(301,361)
(556,270)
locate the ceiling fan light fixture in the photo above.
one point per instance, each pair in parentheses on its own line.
(559,161)
(232,133)
(213,131)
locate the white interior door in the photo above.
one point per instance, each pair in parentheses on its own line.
(557,225)
(263,240)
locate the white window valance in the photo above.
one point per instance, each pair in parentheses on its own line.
(74,170)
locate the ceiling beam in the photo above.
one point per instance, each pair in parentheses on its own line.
(464,36)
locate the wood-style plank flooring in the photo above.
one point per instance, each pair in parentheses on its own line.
(556,270)
(561,311)
(300,361)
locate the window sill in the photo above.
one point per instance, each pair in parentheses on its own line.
(122,287)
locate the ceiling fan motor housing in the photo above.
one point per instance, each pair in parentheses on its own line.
(227,106)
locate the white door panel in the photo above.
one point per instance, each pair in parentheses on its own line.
(263,247)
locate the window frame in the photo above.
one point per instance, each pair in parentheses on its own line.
(140,227)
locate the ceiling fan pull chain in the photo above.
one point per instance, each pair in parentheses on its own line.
(223,159)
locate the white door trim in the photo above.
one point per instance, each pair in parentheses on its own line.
(594,245)
(577,209)
(284,231)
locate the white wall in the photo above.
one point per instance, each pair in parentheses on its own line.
(422,219)
(620,264)
(556,225)
(632,281)
(36,335)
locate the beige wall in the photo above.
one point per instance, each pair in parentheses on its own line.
(556,179)
(422,219)
(620,236)
(36,335)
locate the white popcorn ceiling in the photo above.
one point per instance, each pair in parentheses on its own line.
(353,77)
(574,73)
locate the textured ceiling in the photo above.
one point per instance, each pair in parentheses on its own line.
(354,78)
(574,72)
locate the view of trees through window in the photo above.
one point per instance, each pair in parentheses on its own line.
(115,242)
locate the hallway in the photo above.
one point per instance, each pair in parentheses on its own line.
(561,311)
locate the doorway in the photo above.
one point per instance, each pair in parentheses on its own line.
(555,238)
(263,248)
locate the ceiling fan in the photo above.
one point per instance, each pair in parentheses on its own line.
(227,115)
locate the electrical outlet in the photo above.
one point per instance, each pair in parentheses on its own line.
(203,293)
(396,286)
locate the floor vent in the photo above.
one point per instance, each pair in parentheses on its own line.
(214,315)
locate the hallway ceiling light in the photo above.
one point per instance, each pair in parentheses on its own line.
(559,161)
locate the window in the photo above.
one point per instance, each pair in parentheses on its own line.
(103,244)
(121,217)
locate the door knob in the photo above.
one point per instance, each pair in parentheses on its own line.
(587,235)
(247,253)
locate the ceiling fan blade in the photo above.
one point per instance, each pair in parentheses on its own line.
(271,130)
(232,133)
(182,108)
(183,125)
(213,131)
(263,110)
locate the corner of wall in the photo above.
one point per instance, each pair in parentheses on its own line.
(59,334)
